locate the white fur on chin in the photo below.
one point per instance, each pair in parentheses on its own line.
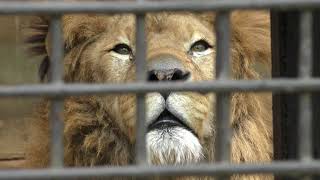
(174,146)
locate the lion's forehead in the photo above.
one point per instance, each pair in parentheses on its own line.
(172,26)
(176,30)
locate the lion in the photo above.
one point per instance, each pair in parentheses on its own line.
(100,130)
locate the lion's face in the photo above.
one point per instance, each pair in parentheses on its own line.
(181,47)
(100,130)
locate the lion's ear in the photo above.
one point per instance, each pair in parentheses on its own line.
(76,29)
(79,28)
(251,30)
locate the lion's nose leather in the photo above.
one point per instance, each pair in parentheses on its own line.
(167,75)
(166,68)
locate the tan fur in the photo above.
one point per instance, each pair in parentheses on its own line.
(100,130)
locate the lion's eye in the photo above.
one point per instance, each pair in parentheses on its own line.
(200,46)
(122,49)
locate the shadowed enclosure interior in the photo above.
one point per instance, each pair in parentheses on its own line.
(222,86)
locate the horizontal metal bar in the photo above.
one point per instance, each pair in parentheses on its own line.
(277,168)
(47,7)
(279,85)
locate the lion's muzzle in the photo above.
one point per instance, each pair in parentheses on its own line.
(166,67)
(170,140)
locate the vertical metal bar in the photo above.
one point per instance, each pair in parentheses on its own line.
(56,127)
(223,99)
(56,77)
(305,72)
(56,71)
(305,66)
(141,76)
(222,27)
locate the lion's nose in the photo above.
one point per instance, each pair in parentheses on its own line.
(168,75)
(167,68)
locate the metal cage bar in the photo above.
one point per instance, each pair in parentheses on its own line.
(56,106)
(56,71)
(141,77)
(223,99)
(154,6)
(292,168)
(305,72)
(49,90)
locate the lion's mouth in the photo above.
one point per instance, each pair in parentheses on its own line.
(167,120)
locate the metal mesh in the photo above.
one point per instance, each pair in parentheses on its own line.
(57,90)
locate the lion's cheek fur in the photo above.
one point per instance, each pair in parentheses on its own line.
(127,115)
